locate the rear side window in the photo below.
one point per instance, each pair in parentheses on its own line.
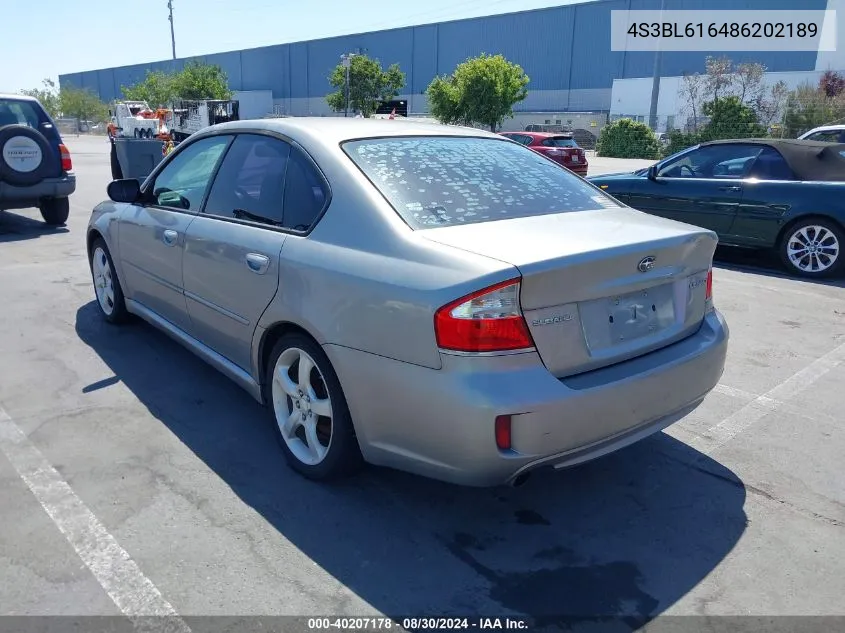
(14,112)
(561,141)
(443,181)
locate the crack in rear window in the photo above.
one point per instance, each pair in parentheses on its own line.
(442,181)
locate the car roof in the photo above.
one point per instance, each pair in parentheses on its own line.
(809,160)
(335,130)
(826,128)
(17,97)
(543,134)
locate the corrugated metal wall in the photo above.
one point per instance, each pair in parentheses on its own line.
(564,50)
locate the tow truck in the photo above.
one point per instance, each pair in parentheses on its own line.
(131,119)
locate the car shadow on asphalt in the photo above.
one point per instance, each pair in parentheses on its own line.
(622,538)
(15,228)
(763,263)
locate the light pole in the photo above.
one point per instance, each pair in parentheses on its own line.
(172,34)
(655,82)
(346,60)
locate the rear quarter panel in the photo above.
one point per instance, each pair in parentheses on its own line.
(768,206)
(363,279)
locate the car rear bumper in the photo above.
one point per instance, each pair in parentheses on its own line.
(440,423)
(12,197)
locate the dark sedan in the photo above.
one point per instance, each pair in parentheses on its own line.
(779,194)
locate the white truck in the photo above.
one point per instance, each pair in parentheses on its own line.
(192,116)
(126,120)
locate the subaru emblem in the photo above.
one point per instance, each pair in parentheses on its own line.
(646,264)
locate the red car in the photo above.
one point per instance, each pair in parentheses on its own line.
(559,147)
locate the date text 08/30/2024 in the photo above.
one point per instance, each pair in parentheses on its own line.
(766,30)
(416,624)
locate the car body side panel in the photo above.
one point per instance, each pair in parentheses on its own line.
(769,205)
(152,242)
(227,283)
(105,220)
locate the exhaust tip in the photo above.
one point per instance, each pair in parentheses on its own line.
(520,480)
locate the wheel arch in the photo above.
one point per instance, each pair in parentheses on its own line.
(804,218)
(268,341)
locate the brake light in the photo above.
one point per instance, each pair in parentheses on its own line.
(489,320)
(708,291)
(67,163)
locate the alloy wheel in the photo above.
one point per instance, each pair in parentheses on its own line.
(812,248)
(302,406)
(103,281)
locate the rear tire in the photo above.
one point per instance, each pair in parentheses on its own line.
(55,211)
(812,248)
(310,415)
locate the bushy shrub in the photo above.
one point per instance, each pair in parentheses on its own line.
(626,138)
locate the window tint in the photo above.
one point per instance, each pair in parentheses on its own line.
(770,165)
(250,182)
(305,193)
(712,161)
(560,141)
(183,182)
(442,181)
(831,136)
(15,112)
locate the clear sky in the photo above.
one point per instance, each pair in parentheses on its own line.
(77,35)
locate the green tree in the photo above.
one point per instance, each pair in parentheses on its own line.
(482,91)
(82,104)
(627,138)
(48,96)
(157,89)
(808,106)
(369,85)
(196,81)
(730,118)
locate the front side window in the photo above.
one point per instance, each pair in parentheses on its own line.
(251,179)
(711,161)
(443,181)
(182,182)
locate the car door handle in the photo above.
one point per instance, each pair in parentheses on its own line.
(169,237)
(731,188)
(257,263)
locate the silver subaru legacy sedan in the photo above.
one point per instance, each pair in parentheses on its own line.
(430,298)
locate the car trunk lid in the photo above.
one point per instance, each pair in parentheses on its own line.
(598,287)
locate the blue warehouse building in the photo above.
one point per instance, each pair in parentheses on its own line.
(566,51)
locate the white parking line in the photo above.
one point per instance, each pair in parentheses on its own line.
(755,410)
(133,593)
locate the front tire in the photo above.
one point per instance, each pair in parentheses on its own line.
(106,284)
(55,211)
(812,248)
(310,415)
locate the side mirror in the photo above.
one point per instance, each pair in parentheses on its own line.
(126,190)
(652,172)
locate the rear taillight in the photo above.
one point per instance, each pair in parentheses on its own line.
(555,152)
(67,163)
(708,292)
(489,320)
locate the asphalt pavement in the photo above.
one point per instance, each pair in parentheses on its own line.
(135,479)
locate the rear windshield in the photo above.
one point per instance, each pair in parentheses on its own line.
(443,181)
(15,112)
(560,141)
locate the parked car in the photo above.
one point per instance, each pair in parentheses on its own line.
(430,298)
(36,169)
(753,194)
(826,133)
(559,147)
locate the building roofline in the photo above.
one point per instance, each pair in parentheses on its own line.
(183,60)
